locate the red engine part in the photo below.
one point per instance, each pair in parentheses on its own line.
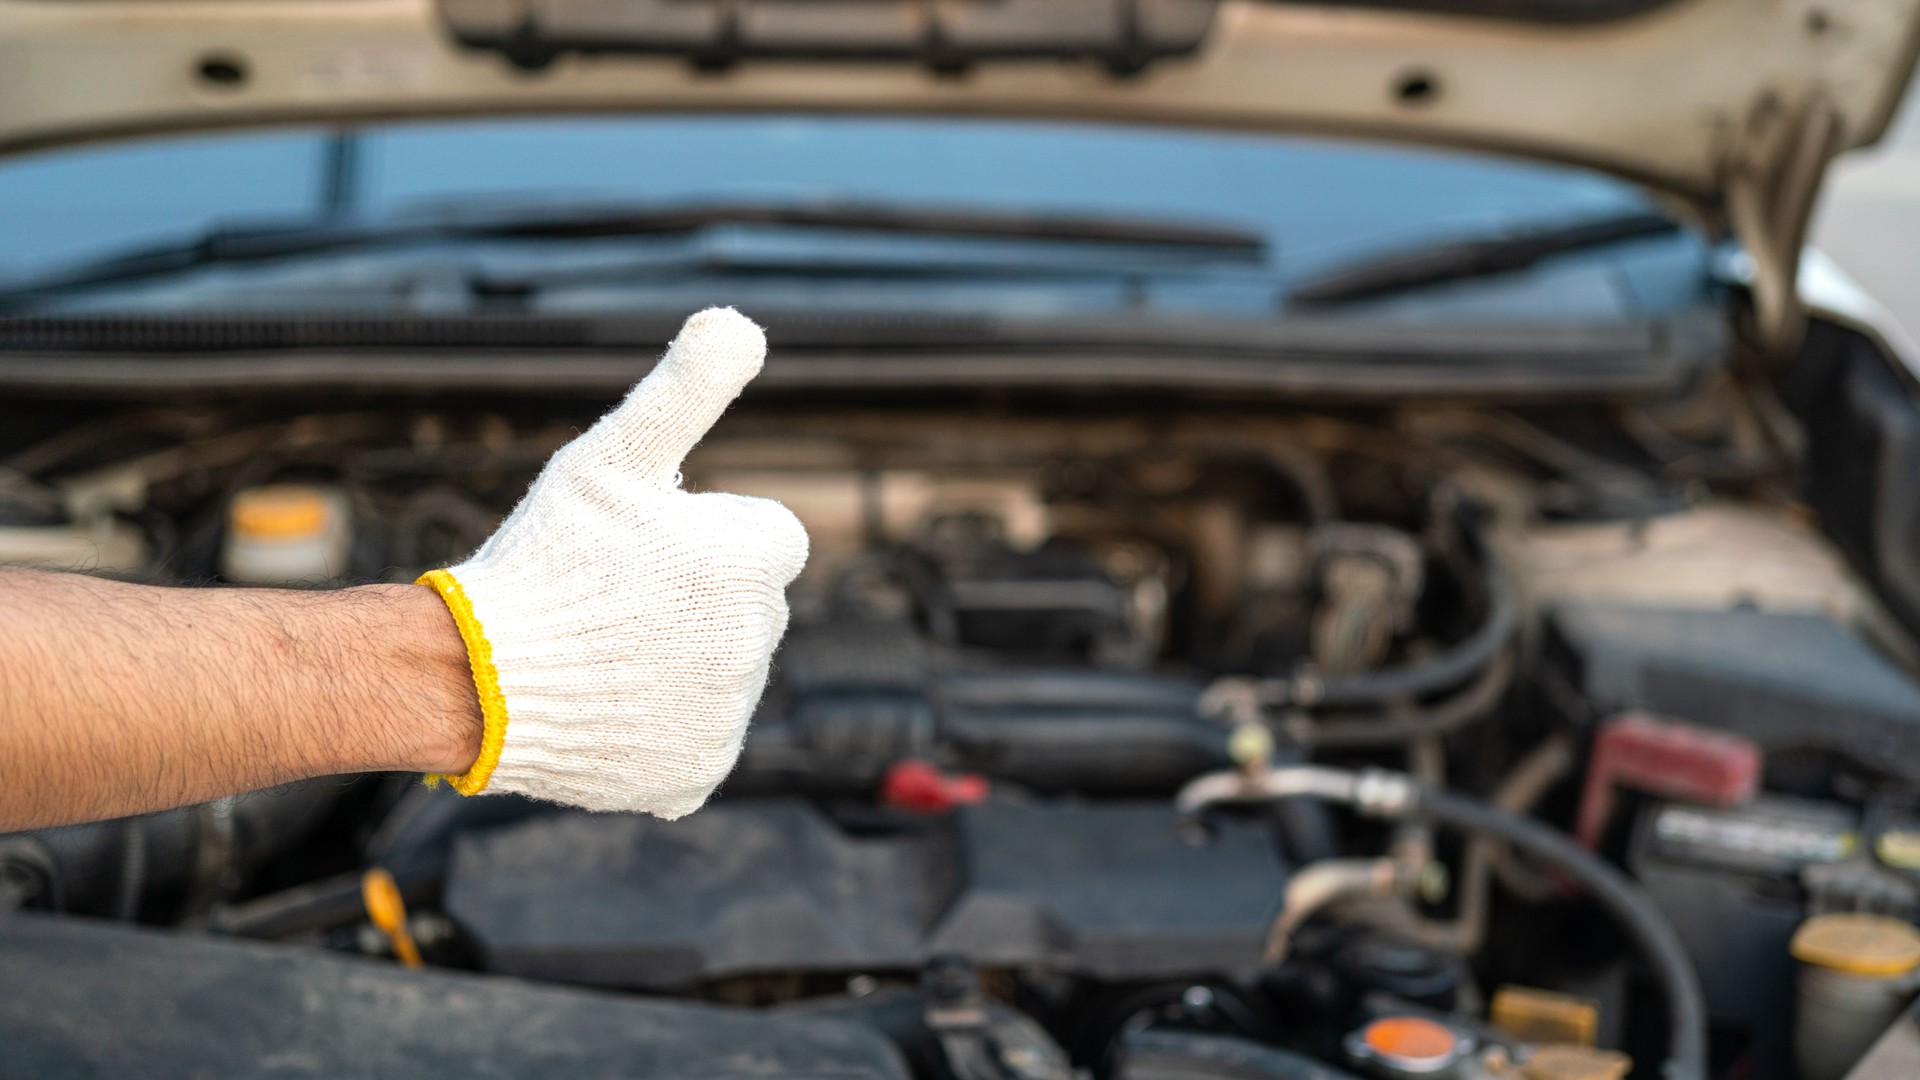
(1668,758)
(922,788)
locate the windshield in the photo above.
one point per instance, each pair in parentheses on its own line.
(1060,219)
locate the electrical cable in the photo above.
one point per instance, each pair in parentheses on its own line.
(1396,796)
(1614,891)
(1523,786)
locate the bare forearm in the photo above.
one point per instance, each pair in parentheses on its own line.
(118,699)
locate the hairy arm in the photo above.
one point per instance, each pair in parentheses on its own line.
(118,699)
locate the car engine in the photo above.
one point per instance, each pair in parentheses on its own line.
(1106,741)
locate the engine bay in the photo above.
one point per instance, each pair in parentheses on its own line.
(1065,765)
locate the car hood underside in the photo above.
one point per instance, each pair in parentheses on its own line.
(1684,95)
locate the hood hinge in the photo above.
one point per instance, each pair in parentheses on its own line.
(1773,173)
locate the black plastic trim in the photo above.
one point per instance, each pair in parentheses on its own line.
(1862,419)
(1340,358)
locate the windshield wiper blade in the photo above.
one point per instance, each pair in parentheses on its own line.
(238,245)
(916,221)
(1465,260)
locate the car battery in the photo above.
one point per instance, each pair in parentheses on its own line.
(1731,882)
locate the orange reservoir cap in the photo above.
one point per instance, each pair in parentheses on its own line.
(1409,1046)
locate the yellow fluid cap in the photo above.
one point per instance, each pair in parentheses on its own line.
(278,512)
(1899,848)
(1543,1016)
(1857,944)
(387,911)
(1565,1062)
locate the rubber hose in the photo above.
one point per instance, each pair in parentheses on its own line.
(1098,689)
(96,863)
(1626,901)
(1422,677)
(1084,750)
(1065,688)
(1405,725)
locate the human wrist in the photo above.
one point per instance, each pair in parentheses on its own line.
(434,726)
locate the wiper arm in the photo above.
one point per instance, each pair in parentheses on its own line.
(1465,260)
(230,246)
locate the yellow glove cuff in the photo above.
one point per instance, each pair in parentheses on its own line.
(486,681)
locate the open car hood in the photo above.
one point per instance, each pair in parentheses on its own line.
(1731,107)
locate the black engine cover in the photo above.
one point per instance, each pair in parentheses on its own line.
(760,886)
(1788,682)
(83,998)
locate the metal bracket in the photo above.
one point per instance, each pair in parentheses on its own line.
(1773,172)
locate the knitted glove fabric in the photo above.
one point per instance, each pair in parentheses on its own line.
(620,628)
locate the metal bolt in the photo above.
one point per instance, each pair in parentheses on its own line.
(1197,999)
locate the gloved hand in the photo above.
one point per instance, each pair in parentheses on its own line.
(620,628)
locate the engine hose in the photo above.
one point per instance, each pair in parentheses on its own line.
(109,868)
(1050,749)
(1088,751)
(1421,677)
(1403,725)
(1614,891)
(1473,655)
(1065,688)
(1529,780)
(1396,796)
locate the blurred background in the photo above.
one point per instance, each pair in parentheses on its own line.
(1869,219)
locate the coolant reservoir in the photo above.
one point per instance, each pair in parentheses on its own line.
(282,534)
(1856,974)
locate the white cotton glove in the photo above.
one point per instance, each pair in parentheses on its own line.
(619,627)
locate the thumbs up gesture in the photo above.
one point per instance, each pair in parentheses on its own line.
(620,628)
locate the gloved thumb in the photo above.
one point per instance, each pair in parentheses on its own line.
(717,352)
